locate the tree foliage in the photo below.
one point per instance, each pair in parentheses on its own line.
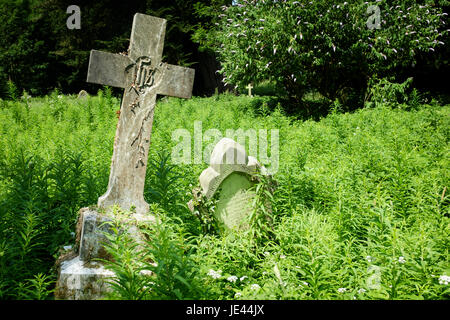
(39,53)
(331,48)
(23,59)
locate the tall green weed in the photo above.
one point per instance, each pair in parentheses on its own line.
(360,209)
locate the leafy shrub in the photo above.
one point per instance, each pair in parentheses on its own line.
(129,283)
(160,268)
(12,90)
(317,45)
(391,94)
(176,274)
(160,189)
(36,288)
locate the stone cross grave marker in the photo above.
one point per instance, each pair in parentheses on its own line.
(230,175)
(249,87)
(143,76)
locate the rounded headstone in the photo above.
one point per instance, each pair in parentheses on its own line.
(82,94)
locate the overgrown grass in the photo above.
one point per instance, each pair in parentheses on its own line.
(355,190)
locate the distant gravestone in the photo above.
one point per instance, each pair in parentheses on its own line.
(229,178)
(82,94)
(249,87)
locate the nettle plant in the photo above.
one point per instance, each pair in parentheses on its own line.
(333,48)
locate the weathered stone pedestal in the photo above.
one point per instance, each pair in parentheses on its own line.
(81,281)
(81,275)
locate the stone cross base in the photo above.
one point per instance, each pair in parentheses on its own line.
(77,281)
(81,277)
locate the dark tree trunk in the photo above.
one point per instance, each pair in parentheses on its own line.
(206,78)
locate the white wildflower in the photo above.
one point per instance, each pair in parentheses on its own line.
(444,279)
(232,278)
(238,295)
(342,290)
(369,258)
(214,274)
(255,286)
(361,291)
(146,273)
(243,278)
(401,260)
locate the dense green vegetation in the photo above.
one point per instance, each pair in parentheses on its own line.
(39,53)
(359,208)
(331,47)
(354,190)
(331,51)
